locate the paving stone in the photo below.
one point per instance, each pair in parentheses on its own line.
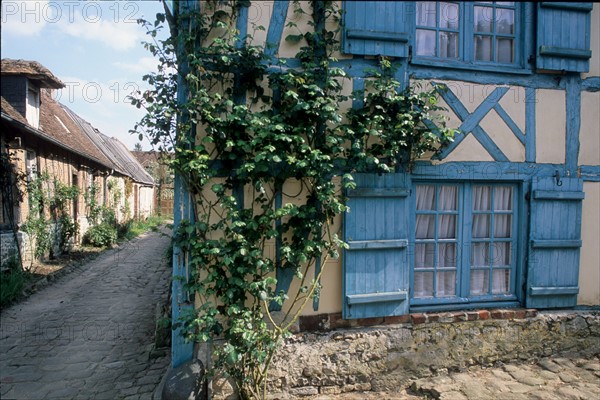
(570,393)
(567,377)
(495,384)
(541,394)
(511,368)
(565,363)
(550,366)
(516,387)
(547,375)
(591,366)
(501,374)
(76,339)
(453,395)
(148,379)
(476,391)
(129,391)
(64,393)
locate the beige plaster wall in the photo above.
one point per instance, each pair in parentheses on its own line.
(550,121)
(589,133)
(589,266)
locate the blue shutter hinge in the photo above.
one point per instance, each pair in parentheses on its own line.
(557,176)
(410,54)
(531,59)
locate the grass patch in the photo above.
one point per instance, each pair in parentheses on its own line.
(136,228)
(12,282)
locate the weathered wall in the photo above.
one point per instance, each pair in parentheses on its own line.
(384,358)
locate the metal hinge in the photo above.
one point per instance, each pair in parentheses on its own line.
(410,53)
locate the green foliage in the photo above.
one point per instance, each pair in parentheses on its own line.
(101,235)
(48,221)
(12,281)
(93,208)
(264,128)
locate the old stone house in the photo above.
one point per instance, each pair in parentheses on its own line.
(41,137)
(506,217)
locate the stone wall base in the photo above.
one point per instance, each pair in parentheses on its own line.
(387,357)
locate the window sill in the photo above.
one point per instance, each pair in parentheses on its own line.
(333,321)
(449,64)
(449,303)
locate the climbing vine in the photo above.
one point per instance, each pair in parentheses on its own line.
(93,210)
(12,184)
(266,152)
(48,221)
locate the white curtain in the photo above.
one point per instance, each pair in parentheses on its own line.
(485,253)
(424,252)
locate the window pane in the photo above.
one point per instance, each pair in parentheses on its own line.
(425,42)
(425,228)
(481,226)
(483,48)
(447,255)
(500,281)
(482,198)
(447,200)
(483,19)
(448,15)
(423,284)
(449,44)
(447,227)
(505,3)
(446,284)
(503,198)
(480,256)
(504,50)
(501,254)
(426,13)
(480,281)
(505,21)
(502,225)
(425,197)
(424,254)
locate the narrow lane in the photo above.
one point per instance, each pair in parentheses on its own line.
(89,335)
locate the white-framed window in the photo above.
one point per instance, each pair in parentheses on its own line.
(32,111)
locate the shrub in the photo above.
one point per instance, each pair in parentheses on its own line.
(12,281)
(100,235)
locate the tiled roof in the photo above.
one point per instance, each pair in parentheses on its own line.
(63,127)
(32,70)
(10,111)
(122,159)
(57,124)
(147,158)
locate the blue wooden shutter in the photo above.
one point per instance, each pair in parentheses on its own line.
(377,27)
(563,34)
(376,268)
(554,243)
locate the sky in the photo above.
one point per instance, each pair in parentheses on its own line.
(94,47)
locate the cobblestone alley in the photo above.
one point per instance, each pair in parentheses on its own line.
(89,334)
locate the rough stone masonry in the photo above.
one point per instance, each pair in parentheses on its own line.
(384,358)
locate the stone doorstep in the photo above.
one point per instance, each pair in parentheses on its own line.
(332,321)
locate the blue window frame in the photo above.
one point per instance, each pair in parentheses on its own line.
(465,243)
(463,34)
(494,36)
